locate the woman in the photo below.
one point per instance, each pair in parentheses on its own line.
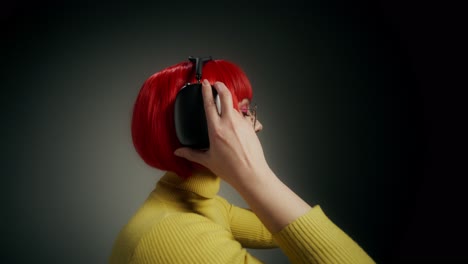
(184,220)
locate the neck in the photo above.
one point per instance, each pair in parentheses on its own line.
(203,183)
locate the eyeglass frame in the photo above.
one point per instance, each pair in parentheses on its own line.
(253,112)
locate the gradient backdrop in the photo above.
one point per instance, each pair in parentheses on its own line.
(338,88)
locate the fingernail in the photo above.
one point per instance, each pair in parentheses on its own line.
(177,152)
(206,82)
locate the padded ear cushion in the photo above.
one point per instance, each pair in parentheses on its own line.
(218,103)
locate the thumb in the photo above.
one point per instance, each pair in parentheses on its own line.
(189,154)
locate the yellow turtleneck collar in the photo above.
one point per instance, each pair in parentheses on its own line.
(201,183)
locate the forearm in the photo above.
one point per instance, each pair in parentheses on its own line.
(295,225)
(249,230)
(270,199)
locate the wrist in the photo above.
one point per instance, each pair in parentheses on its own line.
(250,179)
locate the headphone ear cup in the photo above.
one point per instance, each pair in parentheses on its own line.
(190,118)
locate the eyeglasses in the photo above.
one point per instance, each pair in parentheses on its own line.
(252,112)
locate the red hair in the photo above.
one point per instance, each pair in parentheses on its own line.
(153,130)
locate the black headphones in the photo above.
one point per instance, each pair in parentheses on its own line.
(189,112)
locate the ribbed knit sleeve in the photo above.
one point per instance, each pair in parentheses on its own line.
(249,230)
(313,238)
(189,238)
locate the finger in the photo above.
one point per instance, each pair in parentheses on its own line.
(208,102)
(190,154)
(225,97)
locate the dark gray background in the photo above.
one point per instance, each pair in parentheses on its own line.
(353,99)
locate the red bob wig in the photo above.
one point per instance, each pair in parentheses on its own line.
(153,128)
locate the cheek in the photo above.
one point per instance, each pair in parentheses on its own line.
(243,105)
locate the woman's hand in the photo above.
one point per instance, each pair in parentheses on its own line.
(235,153)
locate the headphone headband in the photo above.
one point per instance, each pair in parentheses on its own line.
(199,65)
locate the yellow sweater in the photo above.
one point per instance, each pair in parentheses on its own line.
(187,222)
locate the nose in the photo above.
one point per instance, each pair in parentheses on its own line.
(258,126)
